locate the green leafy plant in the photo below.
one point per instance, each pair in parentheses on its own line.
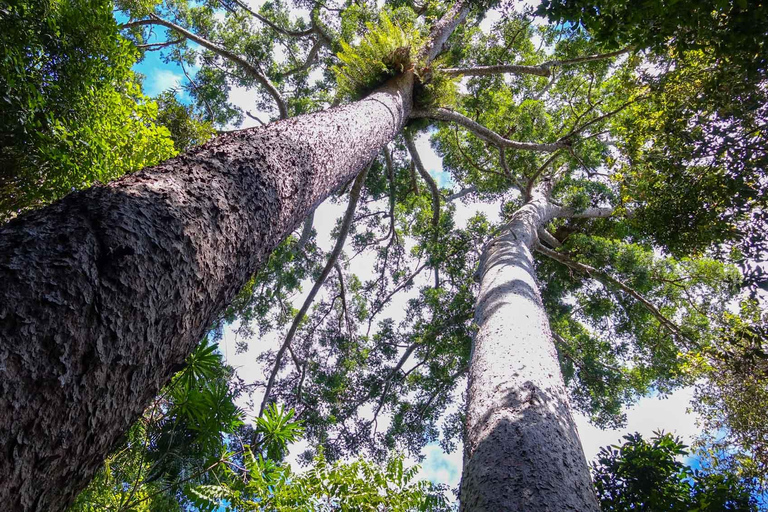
(648,475)
(386,50)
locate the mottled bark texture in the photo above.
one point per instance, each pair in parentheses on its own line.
(105,292)
(521,450)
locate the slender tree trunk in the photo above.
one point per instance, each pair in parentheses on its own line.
(521,449)
(104,293)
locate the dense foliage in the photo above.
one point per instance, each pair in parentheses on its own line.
(648,475)
(72,112)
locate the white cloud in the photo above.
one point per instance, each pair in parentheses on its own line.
(648,415)
(160,80)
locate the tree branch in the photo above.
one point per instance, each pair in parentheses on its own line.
(539,172)
(603,117)
(549,238)
(273,25)
(544,69)
(156,46)
(343,295)
(306,231)
(388,381)
(461,193)
(588,213)
(354,196)
(431,184)
(611,281)
(391,177)
(442,30)
(311,57)
(443,114)
(515,69)
(433,190)
(402,285)
(249,68)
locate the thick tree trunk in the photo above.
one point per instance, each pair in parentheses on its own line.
(104,293)
(521,449)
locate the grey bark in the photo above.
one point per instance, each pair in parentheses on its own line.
(544,69)
(105,292)
(521,450)
(444,114)
(306,231)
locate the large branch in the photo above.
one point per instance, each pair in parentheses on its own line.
(346,223)
(249,68)
(612,282)
(544,69)
(443,114)
(461,193)
(587,213)
(433,190)
(548,238)
(442,30)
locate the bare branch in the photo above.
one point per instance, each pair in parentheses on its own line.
(515,69)
(386,299)
(388,381)
(343,295)
(443,114)
(603,117)
(431,184)
(539,172)
(196,89)
(354,196)
(252,116)
(391,177)
(311,57)
(588,58)
(156,46)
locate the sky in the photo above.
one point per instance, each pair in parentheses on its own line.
(669,414)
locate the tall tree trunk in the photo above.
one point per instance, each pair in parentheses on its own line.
(521,449)
(104,293)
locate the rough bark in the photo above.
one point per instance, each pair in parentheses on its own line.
(105,292)
(521,449)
